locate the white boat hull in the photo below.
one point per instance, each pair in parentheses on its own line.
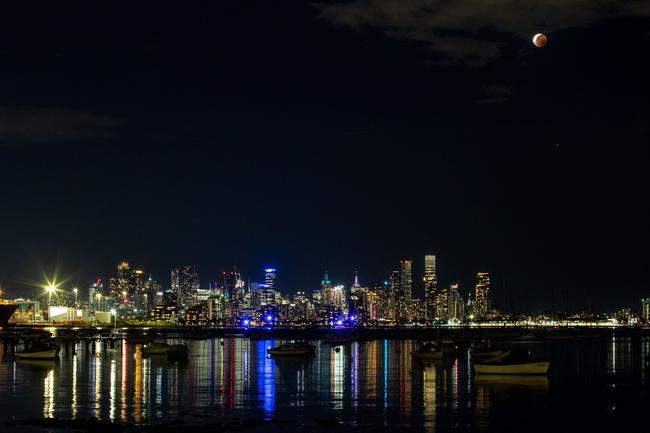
(526,368)
(43,354)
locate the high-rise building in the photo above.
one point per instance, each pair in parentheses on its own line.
(326,290)
(430,286)
(96,288)
(405,291)
(151,290)
(268,290)
(456,309)
(645,310)
(185,283)
(442,305)
(228,284)
(393,287)
(337,297)
(482,295)
(406,279)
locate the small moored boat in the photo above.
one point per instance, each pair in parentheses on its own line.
(514,361)
(46,352)
(291,349)
(483,350)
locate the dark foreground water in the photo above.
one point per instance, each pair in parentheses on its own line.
(370,386)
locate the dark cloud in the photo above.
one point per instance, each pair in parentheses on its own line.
(30,125)
(471,31)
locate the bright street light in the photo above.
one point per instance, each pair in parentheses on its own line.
(50,288)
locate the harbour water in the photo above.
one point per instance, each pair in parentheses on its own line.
(369,386)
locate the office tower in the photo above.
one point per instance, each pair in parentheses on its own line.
(393,295)
(228,284)
(337,297)
(268,289)
(269,278)
(119,285)
(405,291)
(482,295)
(326,290)
(645,310)
(406,279)
(96,288)
(240,287)
(356,295)
(456,309)
(430,286)
(137,291)
(150,293)
(442,305)
(185,283)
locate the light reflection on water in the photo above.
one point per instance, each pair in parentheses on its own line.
(370,385)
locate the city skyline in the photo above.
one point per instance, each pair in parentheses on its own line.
(342,149)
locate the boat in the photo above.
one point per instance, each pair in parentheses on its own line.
(291,349)
(177,351)
(514,361)
(483,350)
(40,352)
(428,351)
(6,311)
(513,380)
(155,349)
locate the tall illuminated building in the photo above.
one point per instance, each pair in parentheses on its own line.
(228,284)
(326,290)
(645,310)
(268,289)
(405,290)
(185,283)
(96,288)
(430,286)
(456,310)
(442,305)
(393,294)
(482,295)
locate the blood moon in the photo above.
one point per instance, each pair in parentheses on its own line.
(540,40)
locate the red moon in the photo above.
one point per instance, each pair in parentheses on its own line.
(540,40)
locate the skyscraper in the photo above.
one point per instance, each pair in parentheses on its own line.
(406,289)
(228,284)
(326,290)
(430,286)
(442,305)
(456,309)
(268,289)
(645,310)
(96,288)
(185,283)
(393,287)
(482,295)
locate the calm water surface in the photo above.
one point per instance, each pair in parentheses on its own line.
(370,386)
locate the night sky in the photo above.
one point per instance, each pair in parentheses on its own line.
(335,136)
